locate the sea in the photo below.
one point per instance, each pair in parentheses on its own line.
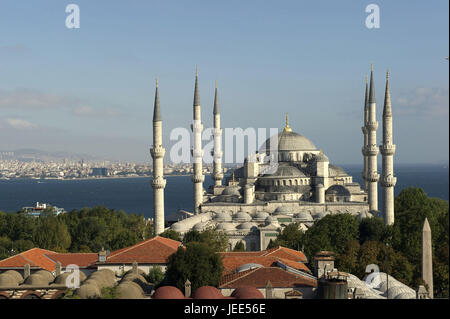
(135,195)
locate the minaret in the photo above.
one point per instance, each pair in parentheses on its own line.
(387,151)
(217,152)
(366,136)
(372,149)
(427,257)
(158,181)
(197,152)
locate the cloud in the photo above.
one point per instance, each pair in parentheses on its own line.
(20,124)
(88,111)
(432,102)
(23,98)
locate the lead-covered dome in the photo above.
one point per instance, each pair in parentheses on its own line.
(291,141)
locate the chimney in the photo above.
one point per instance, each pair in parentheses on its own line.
(269,290)
(102,256)
(58,269)
(187,288)
(134,268)
(26,271)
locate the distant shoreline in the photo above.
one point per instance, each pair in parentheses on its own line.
(84,178)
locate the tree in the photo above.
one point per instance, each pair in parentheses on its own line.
(198,262)
(349,260)
(52,234)
(155,276)
(171,234)
(239,246)
(215,239)
(191,236)
(374,229)
(291,236)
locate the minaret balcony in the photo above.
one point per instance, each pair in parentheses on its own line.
(388,181)
(197,126)
(364,130)
(371,150)
(157,152)
(363,174)
(387,149)
(217,176)
(373,177)
(372,125)
(197,178)
(158,182)
(217,131)
(197,153)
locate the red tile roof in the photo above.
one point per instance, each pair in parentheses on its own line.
(156,250)
(231,263)
(286,253)
(259,277)
(36,257)
(80,259)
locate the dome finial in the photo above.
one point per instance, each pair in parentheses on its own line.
(287,128)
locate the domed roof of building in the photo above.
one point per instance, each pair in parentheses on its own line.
(61,279)
(337,190)
(261,216)
(231,190)
(405,295)
(304,216)
(396,290)
(286,171)
(15,274)
(291,141)
(271,221)
(226,226)
(46,274)
(201,226)
(88,291)
(168,292)
(130,290)
(248,267)
(36,280)
(104,278)
(7,280)
(334,171)
(222,217)
(282,210)
(247,225)
(247,293)
(242,216)
(208,292)
(321,215)
(179,227)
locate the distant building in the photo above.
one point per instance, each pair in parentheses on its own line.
(100,171)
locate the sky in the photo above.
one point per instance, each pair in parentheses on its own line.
(90,90)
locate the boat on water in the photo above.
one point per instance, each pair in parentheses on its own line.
(42,207)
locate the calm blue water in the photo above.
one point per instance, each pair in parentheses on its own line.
(134,195)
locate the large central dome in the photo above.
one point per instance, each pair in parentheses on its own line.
(291,141)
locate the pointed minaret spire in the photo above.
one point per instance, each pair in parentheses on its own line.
(156,110)
(366,136)
(197,151)
(387,148)
(372,149)
(158,181)
(217,151)
(427,257)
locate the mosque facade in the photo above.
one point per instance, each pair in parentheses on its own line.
(260,198)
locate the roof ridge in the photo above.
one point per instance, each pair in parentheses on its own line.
(239,277)
(131,247)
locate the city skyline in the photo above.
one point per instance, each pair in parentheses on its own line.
(90,90)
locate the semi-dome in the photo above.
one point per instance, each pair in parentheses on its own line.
(286,171)
(337,190)
(168,292)
(231,190)
(222,217)
(291,141)
(282,210)
(242,216)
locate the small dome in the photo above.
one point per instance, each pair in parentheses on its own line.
(321,215)
(200,226)
(405,295)
(247,225)
(283,210)
(168,292)
(46,274)
(61,279)
(226,226)
(335,171)
(130,290)
(260,216)
(231,190)
(208,292)
(304,217)
(104,278)
(271,221)
(337,190)
(291,141)
(7,280)
(36,280)
(242,216)
(15,274)
(247,293)
(88,291)
(179,227)
(222,217)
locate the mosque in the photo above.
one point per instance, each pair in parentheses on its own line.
(258,200)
